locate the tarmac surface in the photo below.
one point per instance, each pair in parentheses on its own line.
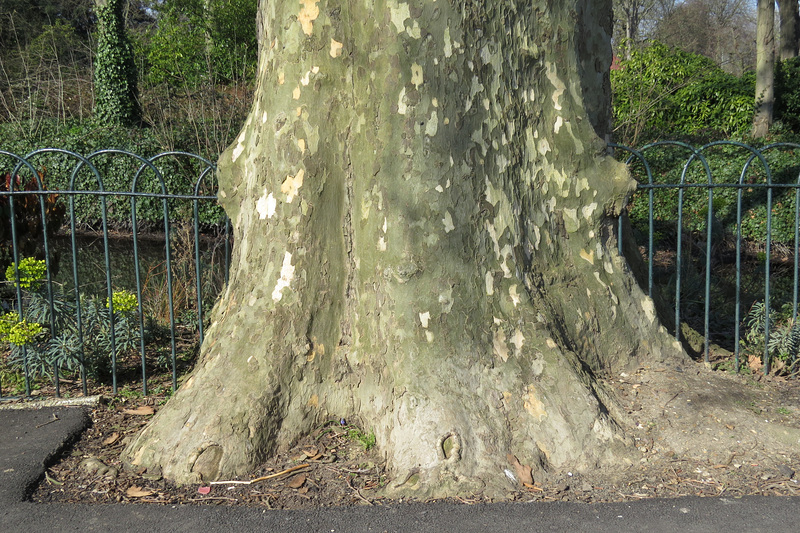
(32,439)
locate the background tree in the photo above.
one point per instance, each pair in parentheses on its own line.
(720,29)
(629,15)
(765,68)
(423,214)
(115,81)
(789,28)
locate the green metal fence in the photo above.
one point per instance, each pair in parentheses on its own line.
(718,227)
(724,197)
(80,315)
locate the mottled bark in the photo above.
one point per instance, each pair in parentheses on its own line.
(423,211)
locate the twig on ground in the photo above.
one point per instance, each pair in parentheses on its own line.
(264,478)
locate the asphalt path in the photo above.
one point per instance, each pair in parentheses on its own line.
(31,439)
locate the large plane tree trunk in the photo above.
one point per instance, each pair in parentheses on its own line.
(423,212)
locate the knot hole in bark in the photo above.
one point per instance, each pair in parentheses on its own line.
(205,460)
(448,447)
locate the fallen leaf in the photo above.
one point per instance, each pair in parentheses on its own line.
(303,490)
(137,492)
(296,481)
(204,490)
(143,410)
(311,452)
(523,472)
(111,439)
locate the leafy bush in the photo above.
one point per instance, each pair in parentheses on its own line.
(68,343)
(663,92)
(117,171)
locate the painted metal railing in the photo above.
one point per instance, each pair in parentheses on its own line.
(20,170)
(755,176)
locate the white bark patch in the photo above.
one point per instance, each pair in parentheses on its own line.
(489,284)
(432,127)
(448,46)
(287,275)
(266,206)
(446,299)
(336,48)
(499,345)
(608,267)
(424,318)
(571,222)
(448,222)
(558,85)
(400,13)
(512,293)
(557,125)
(649,309)
(239,149)
(588,210)
(305,79)
(429,336)
(416,75)
(381,244)
(401,102)
(308,14)
(301,144)
(518,340)
(296,95)
(291,185)
(551,343)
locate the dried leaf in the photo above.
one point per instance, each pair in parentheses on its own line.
(523,472)
(137,492)
(143,410)
(754,362)
(311,452)
(303,490)
(296,481)
(204,490)
(111,439)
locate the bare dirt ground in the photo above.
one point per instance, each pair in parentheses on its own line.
(697,432)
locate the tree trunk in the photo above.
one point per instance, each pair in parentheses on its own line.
(423,212)
(765,68)
(789,22)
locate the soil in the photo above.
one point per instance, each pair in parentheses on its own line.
(694,432)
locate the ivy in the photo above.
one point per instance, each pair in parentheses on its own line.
(115,71)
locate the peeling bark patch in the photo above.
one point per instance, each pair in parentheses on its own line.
(400,13)
(291,185)
(499,345)
(448,222)
(533,405)
(266,206)
(336,48)
(416,75)
(308,14)
(424,318)
(287,275)
(649,309)
(588,256)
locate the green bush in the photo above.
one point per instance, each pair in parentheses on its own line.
(117,171)
(45,339)
(663,92)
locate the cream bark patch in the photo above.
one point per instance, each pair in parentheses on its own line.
(287,275)
(308,14)
(291,185)
(336,48)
